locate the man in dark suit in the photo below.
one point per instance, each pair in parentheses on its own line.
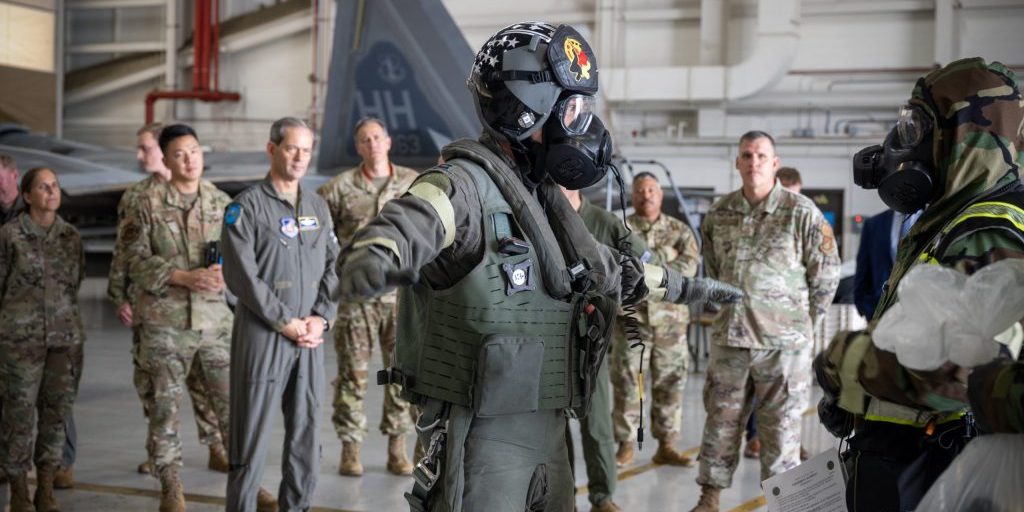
(875,256)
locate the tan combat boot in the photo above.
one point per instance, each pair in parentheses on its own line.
(708,499)
(606,506)
(145,468)
(218,458)
(397,463)
(265,502)
(172,496)
(44,499)
(667,454)
(624,456)
(65,478)
(350,465)
(20,499)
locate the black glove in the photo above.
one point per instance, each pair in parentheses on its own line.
(838,421)
(989,412)
(686,290)
(364,275)
(633,287)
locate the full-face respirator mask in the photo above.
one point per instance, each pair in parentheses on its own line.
(902,167)
(575,147)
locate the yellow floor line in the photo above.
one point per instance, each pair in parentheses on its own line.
(634,471)
(759,501)
(631,472)
(216,500)
(751,505)
(690,452)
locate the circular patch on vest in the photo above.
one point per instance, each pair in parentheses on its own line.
(518,277)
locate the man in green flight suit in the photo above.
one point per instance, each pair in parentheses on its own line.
(955,152)
(596,427)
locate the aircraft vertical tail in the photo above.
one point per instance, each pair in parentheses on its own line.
(405,62)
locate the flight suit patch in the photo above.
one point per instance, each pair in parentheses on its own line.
(309,223)
(289,227)
(518,276)
(232,213)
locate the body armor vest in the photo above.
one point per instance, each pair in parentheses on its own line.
(497,341)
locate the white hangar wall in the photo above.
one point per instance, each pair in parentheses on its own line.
(826,77)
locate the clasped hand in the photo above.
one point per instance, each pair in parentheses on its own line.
(306,332)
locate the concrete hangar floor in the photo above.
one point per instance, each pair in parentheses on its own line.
(111,432)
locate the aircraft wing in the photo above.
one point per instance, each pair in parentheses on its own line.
(77,176)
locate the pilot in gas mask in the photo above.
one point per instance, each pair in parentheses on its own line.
(507,299)
(536,93)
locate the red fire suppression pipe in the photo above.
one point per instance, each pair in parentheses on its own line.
(204,58)
(215,44)
(205,48)
(198,45)
(207,96)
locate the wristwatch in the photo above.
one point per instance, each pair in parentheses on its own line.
(327,325)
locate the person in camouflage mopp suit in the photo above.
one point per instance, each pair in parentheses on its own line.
(42,265)
(779,249)
(956,152)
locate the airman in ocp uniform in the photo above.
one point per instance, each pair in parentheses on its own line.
(120,292)
(777,247)
(181,304)
(673,244)
(42,265)
(355,197)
